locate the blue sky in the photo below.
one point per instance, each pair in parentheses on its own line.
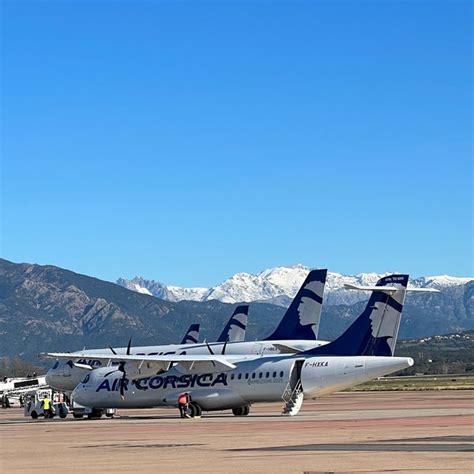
(186,141)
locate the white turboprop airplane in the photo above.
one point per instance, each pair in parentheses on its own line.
(296,332)
(218,382)
(65,375)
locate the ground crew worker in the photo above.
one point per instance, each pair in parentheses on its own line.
(183,401)
(5,401)
(47,408)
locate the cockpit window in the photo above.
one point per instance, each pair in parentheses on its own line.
(86,378)
(56,364)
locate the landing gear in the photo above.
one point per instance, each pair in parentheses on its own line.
(62,410)
(241,411)
(95,414)
(194,410)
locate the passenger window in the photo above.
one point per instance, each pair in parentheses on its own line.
(239,376)
(267,375)
(274,375)
(253,375)
(260,375)
(231,376)
(281,373)
(246,376)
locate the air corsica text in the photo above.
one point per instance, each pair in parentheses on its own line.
(169,381)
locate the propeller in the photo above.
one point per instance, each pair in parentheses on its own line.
(224,346)
(212,352)
(121,368)
(209,348)
(128,347)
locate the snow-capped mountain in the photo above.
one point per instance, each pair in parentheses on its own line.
(277,285)
(166,292)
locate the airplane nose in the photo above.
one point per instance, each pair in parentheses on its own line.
(47,377)
(80,395)
(51,378)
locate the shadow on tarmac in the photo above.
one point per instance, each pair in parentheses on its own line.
(380,446)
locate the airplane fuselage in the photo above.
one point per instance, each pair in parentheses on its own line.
(65,376)
(252,381)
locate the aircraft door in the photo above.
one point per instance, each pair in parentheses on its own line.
(295,374)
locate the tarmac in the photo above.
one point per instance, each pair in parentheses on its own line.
(392,432)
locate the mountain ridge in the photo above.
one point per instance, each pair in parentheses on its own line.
(278,285)
(46,308)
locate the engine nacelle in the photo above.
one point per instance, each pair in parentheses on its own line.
(218,399)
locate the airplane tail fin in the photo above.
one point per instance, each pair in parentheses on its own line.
(301,320)
(234,330)
(375,331)
(192,336)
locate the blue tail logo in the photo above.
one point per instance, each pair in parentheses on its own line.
(234,330)
(375,331)
(192,336)
(301,320)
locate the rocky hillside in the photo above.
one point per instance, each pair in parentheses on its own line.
(49,308)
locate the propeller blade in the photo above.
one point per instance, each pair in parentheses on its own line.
(122,386)
(129,346)
(210,352)
(209,348)
(121,368)
(224,346)
(113,351)
(111,372)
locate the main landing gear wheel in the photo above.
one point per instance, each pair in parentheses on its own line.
(194,410)
(241,411)
(95,415)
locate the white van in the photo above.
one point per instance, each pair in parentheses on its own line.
(34,404)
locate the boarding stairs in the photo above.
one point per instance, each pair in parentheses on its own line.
(293,398)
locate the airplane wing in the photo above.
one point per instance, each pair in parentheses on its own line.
(384,289)
(140,365)
(388,289)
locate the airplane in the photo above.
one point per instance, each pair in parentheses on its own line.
(297,332)
(219,382)
(65,375)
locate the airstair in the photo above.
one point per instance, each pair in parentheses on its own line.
(293,398)
(293,394)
